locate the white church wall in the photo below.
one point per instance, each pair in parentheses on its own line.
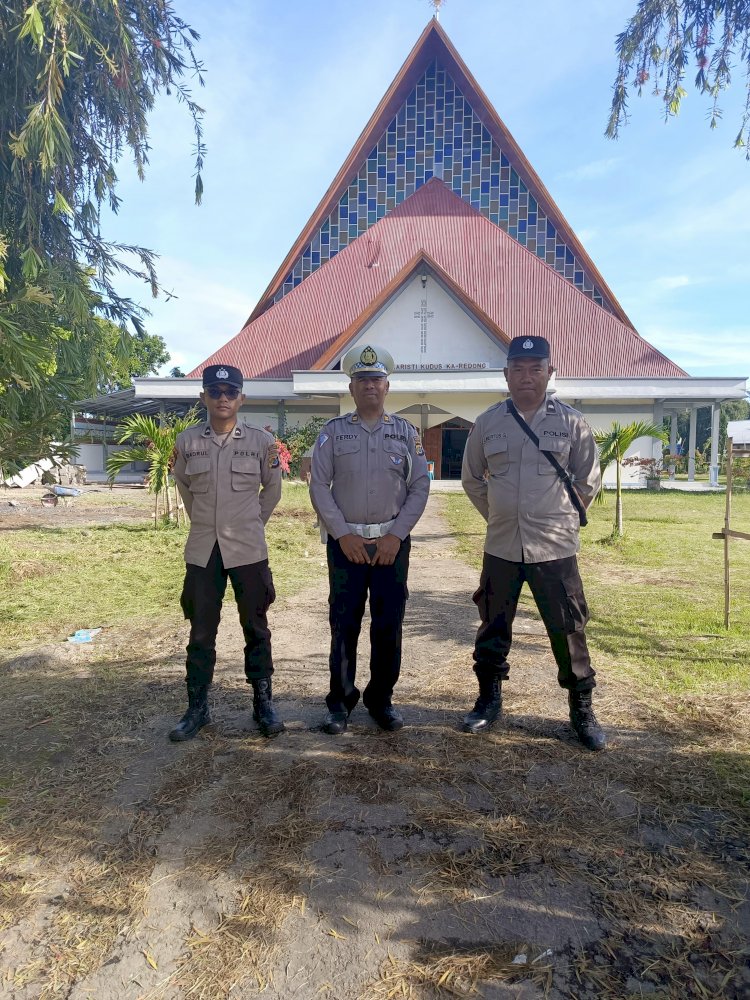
(426,329)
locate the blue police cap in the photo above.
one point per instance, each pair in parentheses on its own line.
(223,375)
(528,347)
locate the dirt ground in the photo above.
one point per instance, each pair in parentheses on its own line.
(426,863)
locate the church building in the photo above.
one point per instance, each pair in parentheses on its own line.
(438,241)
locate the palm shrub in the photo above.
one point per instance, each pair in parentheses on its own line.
(613,444)
(152,441)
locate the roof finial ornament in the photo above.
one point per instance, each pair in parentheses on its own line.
(437,4)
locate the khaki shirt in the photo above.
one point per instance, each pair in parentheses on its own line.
(515,488)
(229,490)
(363,476)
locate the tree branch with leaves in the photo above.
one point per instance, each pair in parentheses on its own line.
(79,80)
(663,39)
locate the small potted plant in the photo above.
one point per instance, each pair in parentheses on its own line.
(650,468)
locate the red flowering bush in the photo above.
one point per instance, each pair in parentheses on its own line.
(283,453)
(285,456)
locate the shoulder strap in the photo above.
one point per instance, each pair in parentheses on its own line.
(563,474)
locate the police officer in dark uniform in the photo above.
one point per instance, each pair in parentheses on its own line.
(533,520)
(229,477)
(369,485)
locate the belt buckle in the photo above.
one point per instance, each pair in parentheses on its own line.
(369,530)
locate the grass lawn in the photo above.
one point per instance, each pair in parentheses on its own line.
(657,595)
(55,580)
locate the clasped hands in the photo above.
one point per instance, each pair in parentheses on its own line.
(386,549)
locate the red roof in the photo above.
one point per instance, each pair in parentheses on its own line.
(512,290)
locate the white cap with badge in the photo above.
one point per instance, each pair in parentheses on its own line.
(367,360)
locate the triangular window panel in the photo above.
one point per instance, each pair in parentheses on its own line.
(436,133)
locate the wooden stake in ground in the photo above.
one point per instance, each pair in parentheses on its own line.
(727,519)
(727,533)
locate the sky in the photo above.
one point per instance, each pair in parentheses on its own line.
(664,212)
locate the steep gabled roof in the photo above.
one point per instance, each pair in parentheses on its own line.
(551,233)
(511,290)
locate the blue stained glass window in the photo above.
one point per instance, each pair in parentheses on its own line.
(420,140)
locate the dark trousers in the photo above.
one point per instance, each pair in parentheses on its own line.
(349,584)
(202,596)
(558,593)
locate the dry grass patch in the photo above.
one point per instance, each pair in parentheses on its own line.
(443,972)
(269,809)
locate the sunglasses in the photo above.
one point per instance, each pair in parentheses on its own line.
(216,393)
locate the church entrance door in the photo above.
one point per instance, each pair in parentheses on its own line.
(454,435)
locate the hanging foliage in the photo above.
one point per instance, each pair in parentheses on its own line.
(78,82)
(666,41)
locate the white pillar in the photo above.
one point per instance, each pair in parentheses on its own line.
(691,443)
(713,473)
(657,449)
(672,441)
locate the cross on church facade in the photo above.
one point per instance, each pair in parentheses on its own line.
(423,315)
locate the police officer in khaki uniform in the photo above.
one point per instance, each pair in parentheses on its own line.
(369,486)
(229,477)
(532,532)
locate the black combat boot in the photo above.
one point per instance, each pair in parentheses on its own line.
(583,720)
(197,715)
(488,706)
(388,718)
(263,711)
(335,723)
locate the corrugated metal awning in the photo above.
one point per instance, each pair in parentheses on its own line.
(124,403)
